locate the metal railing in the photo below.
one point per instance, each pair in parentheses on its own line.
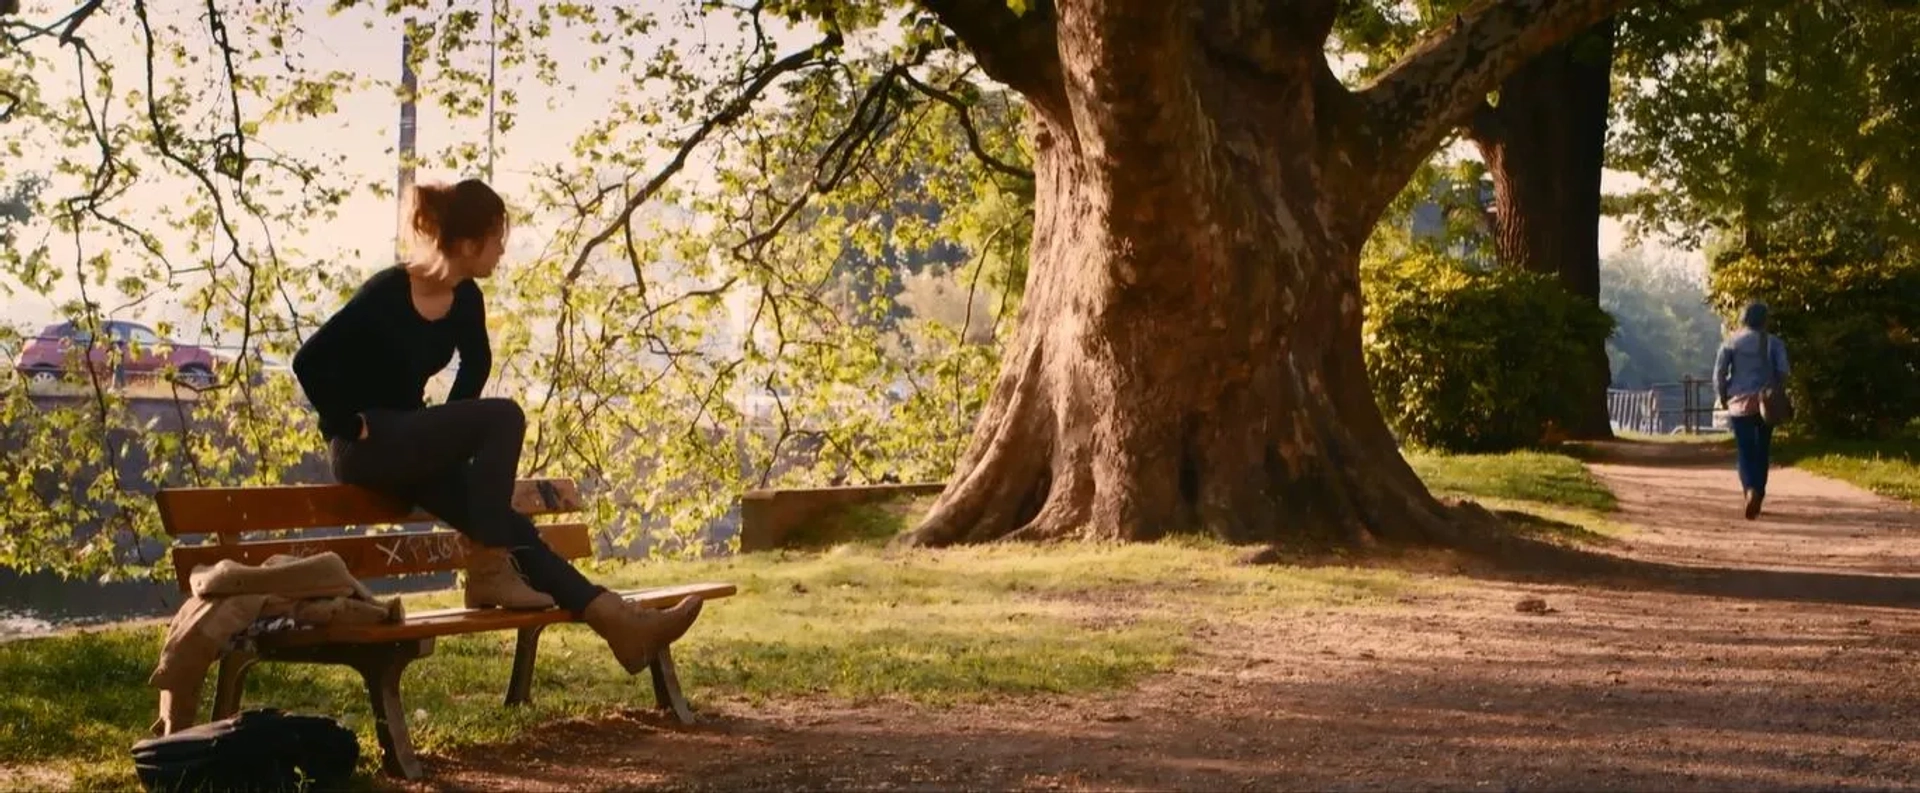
(1633,411)
(1686,407)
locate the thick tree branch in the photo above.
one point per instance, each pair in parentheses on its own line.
(1437,84)
(961,109)
(76,19)
(1019,50)
(67,28)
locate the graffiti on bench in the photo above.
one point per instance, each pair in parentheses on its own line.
(416,551)
(408,550)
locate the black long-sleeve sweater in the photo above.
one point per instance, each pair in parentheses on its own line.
(377,352)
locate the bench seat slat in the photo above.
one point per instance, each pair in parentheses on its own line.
(452,622)
(235,510)
(370,556)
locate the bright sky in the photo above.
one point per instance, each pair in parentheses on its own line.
(363,135)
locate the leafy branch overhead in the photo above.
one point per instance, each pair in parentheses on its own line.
(639,339)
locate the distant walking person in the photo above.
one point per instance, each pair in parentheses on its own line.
(1750,362)
(365,371)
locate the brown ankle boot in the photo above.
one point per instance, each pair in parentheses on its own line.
(493,580)
(636,633)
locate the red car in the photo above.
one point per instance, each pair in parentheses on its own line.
(55,353)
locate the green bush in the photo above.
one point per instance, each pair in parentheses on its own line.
(1849,322)
(1474,361)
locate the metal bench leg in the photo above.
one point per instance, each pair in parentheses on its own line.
(666,686)
(525,648)
(231,684)
(381,666)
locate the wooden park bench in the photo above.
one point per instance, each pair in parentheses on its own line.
(275,518)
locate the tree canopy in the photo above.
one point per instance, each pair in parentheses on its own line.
(1747,115)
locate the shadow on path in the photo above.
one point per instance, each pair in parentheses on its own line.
(1819,540)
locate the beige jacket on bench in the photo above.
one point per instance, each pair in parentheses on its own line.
(230,596)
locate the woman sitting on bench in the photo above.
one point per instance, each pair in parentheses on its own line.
(365,371)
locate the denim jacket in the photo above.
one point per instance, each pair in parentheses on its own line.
(1740,370)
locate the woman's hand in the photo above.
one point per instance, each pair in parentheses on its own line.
(363,426)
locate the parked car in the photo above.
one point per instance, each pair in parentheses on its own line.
(53,354)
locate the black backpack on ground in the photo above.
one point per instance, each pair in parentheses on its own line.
(258,750)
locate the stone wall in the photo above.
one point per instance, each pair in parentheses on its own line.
(768,517)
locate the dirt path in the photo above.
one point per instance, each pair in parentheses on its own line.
(1614,688)
(1690,514)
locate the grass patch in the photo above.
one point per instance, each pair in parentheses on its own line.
(1537,477)
(1542,495)
(1560,525)
(1889,467)
(852,622)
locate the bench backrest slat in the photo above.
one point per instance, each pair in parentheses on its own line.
(234,510)
(370,556)
(222,515)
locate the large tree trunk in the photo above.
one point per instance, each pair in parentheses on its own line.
(1188,355)
(1545,145)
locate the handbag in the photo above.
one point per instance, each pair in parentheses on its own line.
(1775,407)
(259,750)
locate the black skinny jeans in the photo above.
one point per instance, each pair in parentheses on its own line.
(458,461)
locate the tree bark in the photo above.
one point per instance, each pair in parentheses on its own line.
(1188,354)
(1544,143)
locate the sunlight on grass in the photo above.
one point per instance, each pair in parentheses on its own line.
(1885,467)
(1563,525)
(854,622)
(1545,478)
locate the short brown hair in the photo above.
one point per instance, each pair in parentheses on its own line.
(465,211)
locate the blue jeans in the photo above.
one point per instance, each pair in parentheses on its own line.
(1753,442)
